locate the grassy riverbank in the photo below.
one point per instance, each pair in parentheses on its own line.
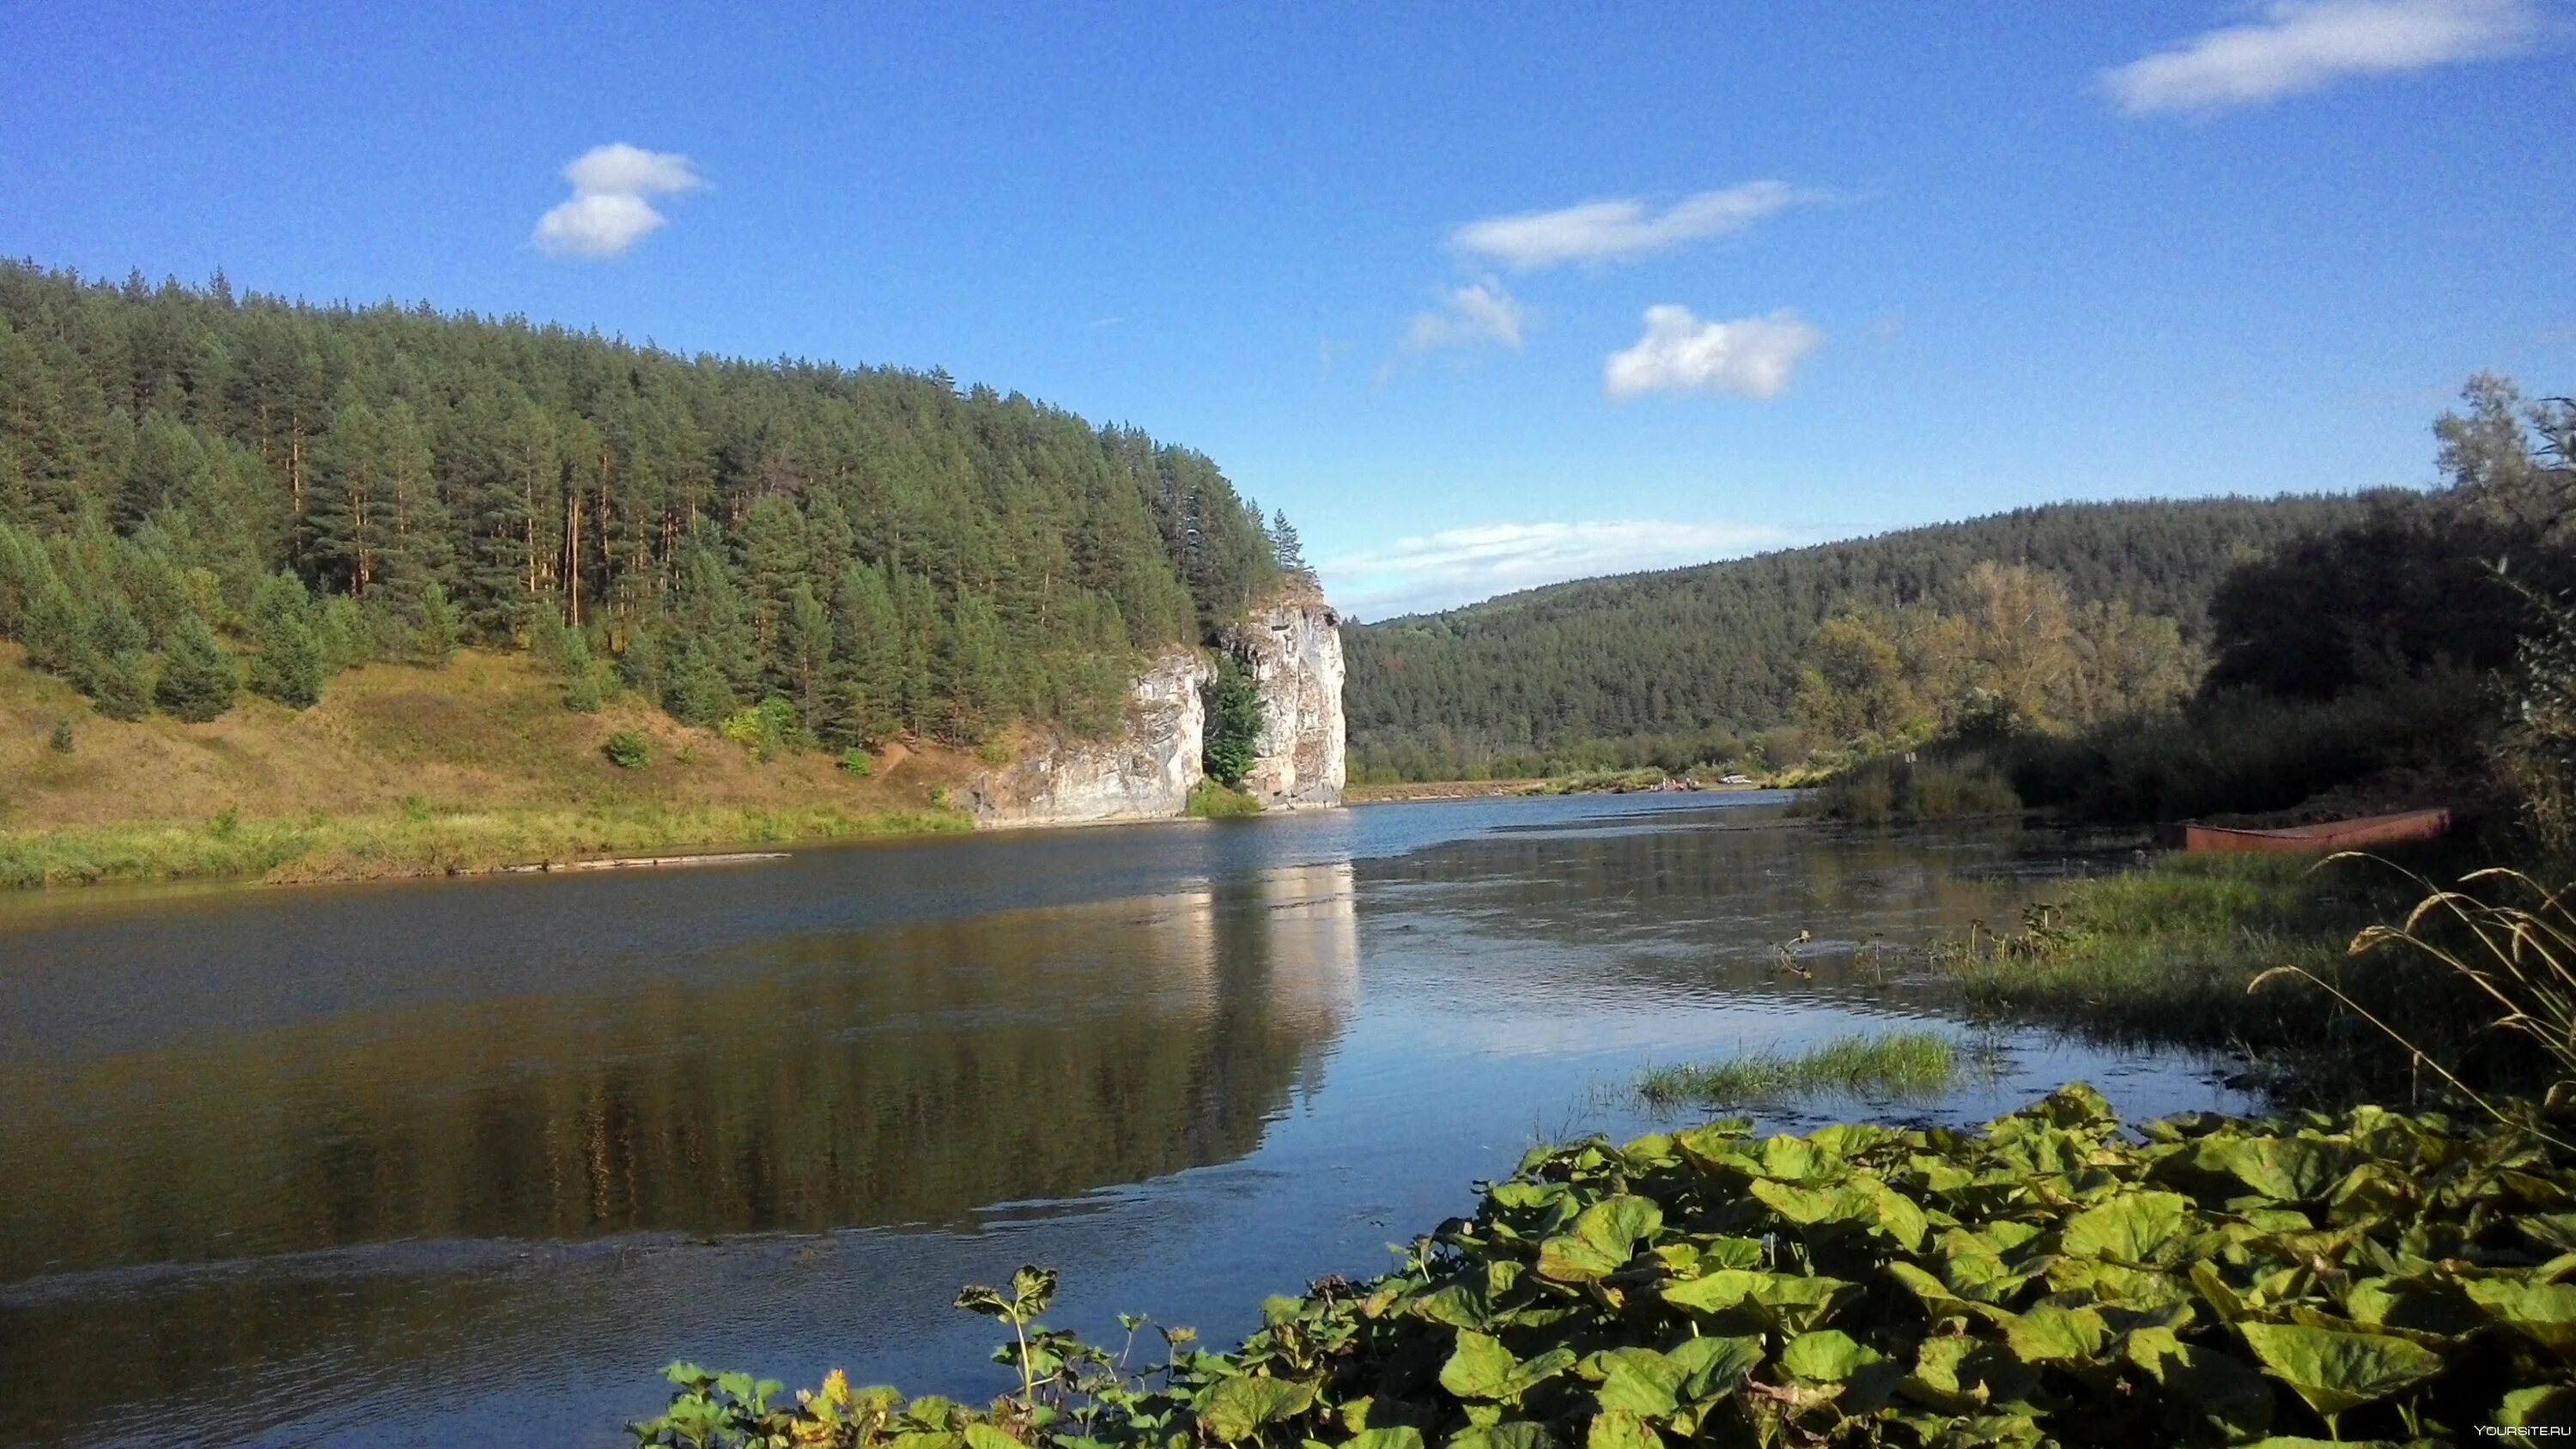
(403,771)
(2178,954)
(370,847)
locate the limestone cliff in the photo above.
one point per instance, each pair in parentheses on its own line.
(1294,649)
(1144,774)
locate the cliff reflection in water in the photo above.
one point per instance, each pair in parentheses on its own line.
(903,1075)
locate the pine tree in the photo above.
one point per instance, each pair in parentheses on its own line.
(806,645)
(198,679)
(289,666)
(436,641)
(120,684)
(866,689)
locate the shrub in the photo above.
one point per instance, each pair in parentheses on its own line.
(1210,800)
(767,729)
(855,761)
(61,738)
(629,750)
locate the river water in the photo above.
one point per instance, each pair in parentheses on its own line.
(464,1163)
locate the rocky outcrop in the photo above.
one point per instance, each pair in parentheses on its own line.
(1144,774)
(1294,648)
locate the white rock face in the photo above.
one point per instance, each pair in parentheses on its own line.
(1294,648)
(1145,774)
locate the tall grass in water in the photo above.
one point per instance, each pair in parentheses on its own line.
(1886,789)
(2171,956)
(1902,1065)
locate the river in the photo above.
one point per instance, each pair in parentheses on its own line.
(466,1162)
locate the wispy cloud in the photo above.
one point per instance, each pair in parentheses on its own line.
(1457,565)
(1749,357)
(608,212)
(1476,313)
(2306,45)
(1620,229)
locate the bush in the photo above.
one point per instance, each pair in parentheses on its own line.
(767,730)
(61,738)
(855,761)
(629,750)
(1210,800)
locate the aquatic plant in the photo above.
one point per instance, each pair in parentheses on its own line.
(2049,1280)
(1909,1065)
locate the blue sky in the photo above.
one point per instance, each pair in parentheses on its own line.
(1482,298)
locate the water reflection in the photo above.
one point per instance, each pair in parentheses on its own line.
(166,1204)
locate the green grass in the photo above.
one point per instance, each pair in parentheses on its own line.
(1211,800)
(424,842)
(2169,956)
(1908,1065)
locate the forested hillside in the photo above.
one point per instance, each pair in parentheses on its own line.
(197,486)
(1697,663)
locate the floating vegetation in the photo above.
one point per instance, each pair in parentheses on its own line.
(1891,1065)
(2050,1280)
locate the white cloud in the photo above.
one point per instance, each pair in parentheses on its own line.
(1478,312)
(1620,229)
(1749,357)
(608,212)
(1456,565)
(2305,45)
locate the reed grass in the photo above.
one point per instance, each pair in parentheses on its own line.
(1898,1065)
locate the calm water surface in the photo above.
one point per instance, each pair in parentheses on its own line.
(466,1162)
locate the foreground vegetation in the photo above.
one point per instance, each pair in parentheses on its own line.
(2049,1281)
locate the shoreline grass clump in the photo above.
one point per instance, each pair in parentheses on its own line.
(1897,1065)
(1210,799)
(2372,1277)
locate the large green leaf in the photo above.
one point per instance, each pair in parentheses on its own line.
(1620,1429)
(1401,1436)
(1481,1368)
(1714,1364)
(2544,1312)
(2205,1390)
(1518,1434)
(2142,1229)
(1614,1224)
(1827,1355)
(2336,1371)
(1238,1407)
(1569,1259)
(2052,1334)
(1641,1381)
